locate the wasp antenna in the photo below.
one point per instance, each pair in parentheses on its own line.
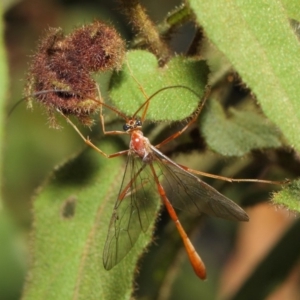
(99,102)
(15,106)
(32,96)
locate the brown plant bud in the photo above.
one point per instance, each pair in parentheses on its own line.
(98,46)
(60,74)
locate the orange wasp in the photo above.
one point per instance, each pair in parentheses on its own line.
(148,171)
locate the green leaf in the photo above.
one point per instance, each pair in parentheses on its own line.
(141,77)
(292,8)
(256,37)
(289,196)
(71,218)
(237,132)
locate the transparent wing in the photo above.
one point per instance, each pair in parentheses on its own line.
(187,192)
(134,211)
(136,206)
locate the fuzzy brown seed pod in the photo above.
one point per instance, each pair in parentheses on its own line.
(98,46)
(60,74)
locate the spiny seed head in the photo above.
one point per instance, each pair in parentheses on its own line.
(62,65)
(98,46)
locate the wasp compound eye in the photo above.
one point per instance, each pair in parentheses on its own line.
(126,127)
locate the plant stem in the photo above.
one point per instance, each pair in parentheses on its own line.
(146,29)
